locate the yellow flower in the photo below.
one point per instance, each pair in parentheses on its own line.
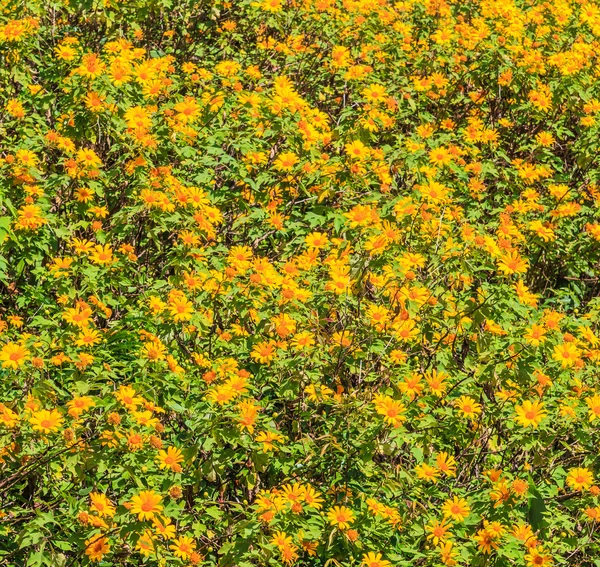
(593,403)
(457,509)
(303,341)
(535,335)
(101,504)
(580,479)
(448,553)
(183,547)
(566,353)
(102,255)
(144,418)
(437,531)
(440,156)
(375,93)
(146,504)
(88,337)
(530,414)
(268,439)
(80,317)
(164,527)
(281,540)
(187,110)
(271,5)
(427,472)
(79,405)
(446,463)
(65,52)
(8,417)
(357,150)
(467,406)
(128,397)
(88,158)
(341,517)
(311,497)
(537,558)
(46,421)
(181,309)
(286,161)
(154,350)
(391,410)
(316,240)
(512,263)
(145,543)
(13,355)
(170,459)
(264,352)
(486,541)
(372,559)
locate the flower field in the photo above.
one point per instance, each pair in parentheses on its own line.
(299,282)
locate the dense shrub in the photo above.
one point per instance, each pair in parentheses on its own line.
(300,282)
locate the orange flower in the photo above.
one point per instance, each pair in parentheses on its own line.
(96,548)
